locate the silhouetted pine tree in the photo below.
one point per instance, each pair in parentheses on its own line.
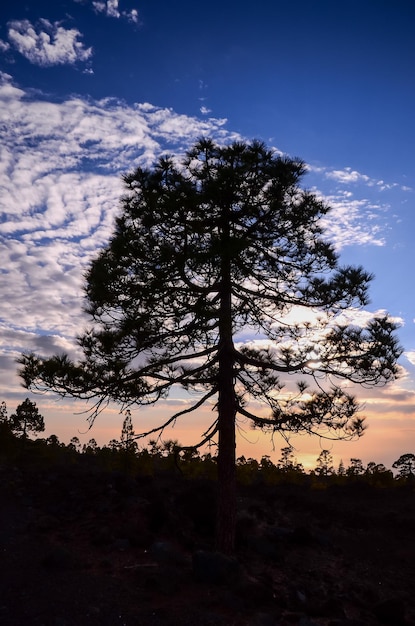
(224,242)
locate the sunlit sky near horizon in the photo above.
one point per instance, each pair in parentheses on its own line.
(90,89)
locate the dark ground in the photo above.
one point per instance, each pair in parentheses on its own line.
(80,545)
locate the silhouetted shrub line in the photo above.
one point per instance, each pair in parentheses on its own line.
(162,457)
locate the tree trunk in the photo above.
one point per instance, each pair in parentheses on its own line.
(226,507)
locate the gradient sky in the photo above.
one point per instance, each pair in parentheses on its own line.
(90,89)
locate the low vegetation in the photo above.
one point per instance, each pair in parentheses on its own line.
(134,529)
(169,456)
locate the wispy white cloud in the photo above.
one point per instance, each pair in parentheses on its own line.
(353,221)
(110,8)
(348,176)
(47,43)
(133,16)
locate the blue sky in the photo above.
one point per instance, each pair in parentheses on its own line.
(90,89)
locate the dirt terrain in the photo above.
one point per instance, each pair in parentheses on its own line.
(82,545)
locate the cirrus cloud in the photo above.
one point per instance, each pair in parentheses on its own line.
(60,175)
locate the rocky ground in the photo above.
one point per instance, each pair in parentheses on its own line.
(80,545)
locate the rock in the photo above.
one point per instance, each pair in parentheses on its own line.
(215,568)
(165,553)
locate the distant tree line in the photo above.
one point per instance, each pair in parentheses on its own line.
(169,455)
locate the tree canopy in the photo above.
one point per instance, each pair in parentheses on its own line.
(27,419)
(406,465)
(219,279)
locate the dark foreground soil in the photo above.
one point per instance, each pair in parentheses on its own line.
(80,545)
